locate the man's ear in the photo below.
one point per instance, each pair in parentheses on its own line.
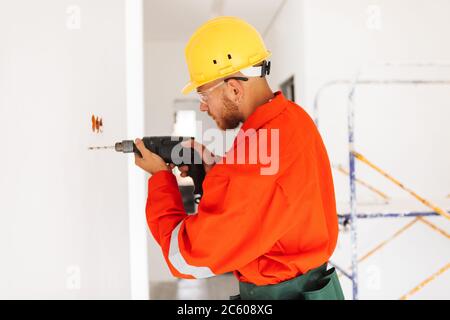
(235,90)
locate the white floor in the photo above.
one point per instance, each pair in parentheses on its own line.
(215,288)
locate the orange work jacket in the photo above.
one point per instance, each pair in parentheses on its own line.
(266,228)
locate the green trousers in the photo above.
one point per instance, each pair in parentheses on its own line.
(316,284)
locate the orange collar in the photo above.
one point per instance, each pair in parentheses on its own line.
(265,112)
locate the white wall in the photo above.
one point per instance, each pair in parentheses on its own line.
(401,129)
(166,75)
(63,209)
(285,39)
(395,125)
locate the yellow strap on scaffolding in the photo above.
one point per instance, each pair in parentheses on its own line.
(425,282)
(400,231)
(385,242)
(398,183)
(341,169)
(435,227)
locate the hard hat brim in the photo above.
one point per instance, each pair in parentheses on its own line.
(188,88)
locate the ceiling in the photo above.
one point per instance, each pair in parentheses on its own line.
(176,20)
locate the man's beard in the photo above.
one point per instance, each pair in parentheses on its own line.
(231,117)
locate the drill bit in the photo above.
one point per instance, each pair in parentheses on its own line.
(101,147)
(125,146)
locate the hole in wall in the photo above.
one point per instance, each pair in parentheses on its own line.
(97,124)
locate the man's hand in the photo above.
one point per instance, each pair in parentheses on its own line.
(150,162)
(208,158)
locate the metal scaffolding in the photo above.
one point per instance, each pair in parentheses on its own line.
(351,218)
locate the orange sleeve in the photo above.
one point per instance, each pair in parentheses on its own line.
(239,218)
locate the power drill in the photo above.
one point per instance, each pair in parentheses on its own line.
(169,148)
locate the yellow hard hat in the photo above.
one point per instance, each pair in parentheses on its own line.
(221,47)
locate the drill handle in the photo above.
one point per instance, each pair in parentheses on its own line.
(196,171)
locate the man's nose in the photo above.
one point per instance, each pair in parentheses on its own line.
(203,107)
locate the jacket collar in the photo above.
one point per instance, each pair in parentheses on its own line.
(265,112)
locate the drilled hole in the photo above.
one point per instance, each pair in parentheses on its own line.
(215,62)
(229,56)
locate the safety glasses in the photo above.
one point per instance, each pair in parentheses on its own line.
(203,96)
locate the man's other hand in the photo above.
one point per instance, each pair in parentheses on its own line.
(208,158)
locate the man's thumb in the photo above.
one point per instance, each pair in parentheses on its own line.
(140,146)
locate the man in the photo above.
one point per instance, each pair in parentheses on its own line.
(276,228)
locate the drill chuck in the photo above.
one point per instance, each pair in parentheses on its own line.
(126,146)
